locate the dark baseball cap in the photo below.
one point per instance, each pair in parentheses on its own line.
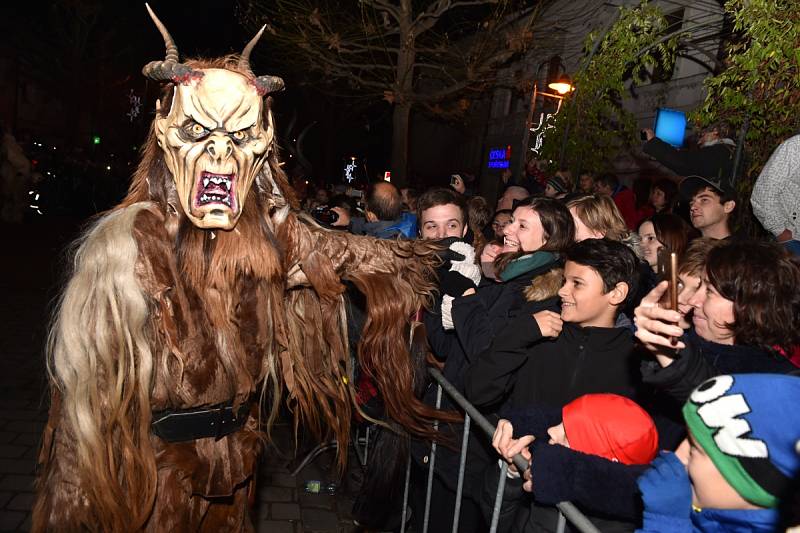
(691,184)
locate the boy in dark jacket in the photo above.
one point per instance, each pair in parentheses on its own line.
(552,358)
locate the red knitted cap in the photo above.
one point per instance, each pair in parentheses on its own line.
(611,426)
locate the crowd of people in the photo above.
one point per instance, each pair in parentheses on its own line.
(552,319)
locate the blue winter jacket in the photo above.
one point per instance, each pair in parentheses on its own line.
(714,521)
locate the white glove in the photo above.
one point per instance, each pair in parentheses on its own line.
(467,267)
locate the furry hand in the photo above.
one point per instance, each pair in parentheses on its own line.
(666,488)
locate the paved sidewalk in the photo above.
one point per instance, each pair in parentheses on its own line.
(27,282)
(283,506)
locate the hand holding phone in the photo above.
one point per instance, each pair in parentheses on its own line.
(457,183)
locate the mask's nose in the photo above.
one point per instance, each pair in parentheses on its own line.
(219,147)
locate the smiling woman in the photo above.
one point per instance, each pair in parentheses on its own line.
(744,316)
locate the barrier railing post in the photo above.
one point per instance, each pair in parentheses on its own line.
(498,498)
(461,469)
(403,515)
(570,512)
(562,523)
(431,463)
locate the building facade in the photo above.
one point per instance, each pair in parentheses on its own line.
(558,48)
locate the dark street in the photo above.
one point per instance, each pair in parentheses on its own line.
(30,273)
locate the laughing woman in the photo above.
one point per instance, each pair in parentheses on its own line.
(529,270)
(744,315)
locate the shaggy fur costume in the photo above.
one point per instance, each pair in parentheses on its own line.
(160,314)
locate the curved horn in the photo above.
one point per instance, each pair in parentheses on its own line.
(169,42)
(268,84)
(169,69)
(244,61)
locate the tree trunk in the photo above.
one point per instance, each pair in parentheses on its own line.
(403,91)
(400,133)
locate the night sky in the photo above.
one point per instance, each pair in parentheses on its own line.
(123,39)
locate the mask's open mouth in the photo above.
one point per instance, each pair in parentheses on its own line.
(216,189)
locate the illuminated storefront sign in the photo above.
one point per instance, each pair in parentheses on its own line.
(499,157)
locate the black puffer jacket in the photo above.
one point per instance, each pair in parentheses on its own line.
(522,368)
(477,318)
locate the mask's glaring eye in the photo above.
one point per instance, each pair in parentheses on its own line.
(239,136)
(195,130)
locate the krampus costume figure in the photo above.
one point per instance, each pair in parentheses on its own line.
(199,299)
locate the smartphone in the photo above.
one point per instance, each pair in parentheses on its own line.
(643,135)
(668,270)
(453,180)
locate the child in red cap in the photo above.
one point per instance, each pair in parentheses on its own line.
(607,425)
(610,426)
(604,425)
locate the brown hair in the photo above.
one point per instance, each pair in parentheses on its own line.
(693,259)
(762,280)
(442,196)
(479,215)
(599,213)
(672,231)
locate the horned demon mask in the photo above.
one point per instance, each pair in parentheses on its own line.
(215,137)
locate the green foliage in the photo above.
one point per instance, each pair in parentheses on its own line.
(596,125)
(762,80)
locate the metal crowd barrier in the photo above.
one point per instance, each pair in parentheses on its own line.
(567,511)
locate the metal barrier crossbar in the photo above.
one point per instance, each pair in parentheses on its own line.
(567,510)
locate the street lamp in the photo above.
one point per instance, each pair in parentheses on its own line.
(562,85)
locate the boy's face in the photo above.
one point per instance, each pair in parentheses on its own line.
(587,183)
(442,221)
(583,299)
(706,209)
(709,487)
(558,435)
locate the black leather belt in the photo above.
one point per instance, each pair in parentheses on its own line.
(182,425)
